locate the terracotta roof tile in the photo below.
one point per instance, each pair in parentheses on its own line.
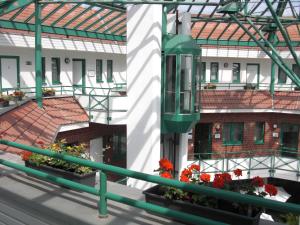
(28,124)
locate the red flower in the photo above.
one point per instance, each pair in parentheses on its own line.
(165,164)
(205,177)
(184,179)
(166,174)
(271,189)
(226,177)
(194,167)
(257,181)
(218,182)
(186,172)
(26,155)
(237,172)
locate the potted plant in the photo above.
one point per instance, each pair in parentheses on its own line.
(47,92)
(250,87)
(210,86)
(207,206)
(61,168)
(18,95)
(4,100)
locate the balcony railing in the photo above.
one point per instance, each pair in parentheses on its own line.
(105,195)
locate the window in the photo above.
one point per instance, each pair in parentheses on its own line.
(214,72)
(203,72)
(170,84)
(281,76)
(44,70)
(55,65)
(296,70)
(233,133)
(185,83)
(236,72)
(98,70)
(259,133)
(109,71)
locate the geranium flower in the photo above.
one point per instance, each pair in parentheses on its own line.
(194,167)
(166,174)
(226,177)
(218,182)
(205,177)
(186,172)
(184,179)
(26,155)
(165,164)
(237,172)
(257,181)
(271,189)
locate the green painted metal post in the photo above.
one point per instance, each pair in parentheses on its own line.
(38,55)
(102,206)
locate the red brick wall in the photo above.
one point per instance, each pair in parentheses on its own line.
(249,120)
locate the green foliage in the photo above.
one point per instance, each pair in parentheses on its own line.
(290,219)
(62,148)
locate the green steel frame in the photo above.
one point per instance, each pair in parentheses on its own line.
(105,195)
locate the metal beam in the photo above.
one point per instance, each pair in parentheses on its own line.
(53,12)
(113,26)
(78,15)
(277,60)
(33,14)
(38,54)
(65,15)
(88,18)
(10,6)
(60,31)
(283,31)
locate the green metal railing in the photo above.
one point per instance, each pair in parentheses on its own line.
(105,195)
(251,160)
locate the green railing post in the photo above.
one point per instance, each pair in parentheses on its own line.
(102,205)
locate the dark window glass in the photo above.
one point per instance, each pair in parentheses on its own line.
(259,133)
(236,72)
(170,83)
(109,71)
(233,133)
(55,65)
(44,70)
(99,70)
(214,72)
(281,76)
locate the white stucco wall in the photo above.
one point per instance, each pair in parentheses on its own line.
(144,89)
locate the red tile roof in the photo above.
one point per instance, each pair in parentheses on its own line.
(250,99)
(29,124)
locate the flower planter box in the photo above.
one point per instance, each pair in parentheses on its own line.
(86,179)
(48,94)
(4,104)
(155,196)
(250,87)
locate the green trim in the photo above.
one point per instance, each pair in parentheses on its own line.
(56,80)
(61,31)
(216,75)
(18,69)
(238,80)
(99,71)
(231,127)
(83,75)
(109,70)
(262,133)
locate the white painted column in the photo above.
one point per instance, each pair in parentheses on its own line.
(96,149)
(144,89)
(183,152)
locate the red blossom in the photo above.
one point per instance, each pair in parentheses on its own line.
(218,182)
(194,167)
(271,189)
(186,172)
(165,164)
(238,172)
(166,174)
(226,177)
(184,179)
(26,155)
(205,177)
(257,181)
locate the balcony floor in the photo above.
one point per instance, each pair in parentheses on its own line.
(26,200)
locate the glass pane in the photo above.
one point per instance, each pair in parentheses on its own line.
(99,70)
(237,133)
(170,83)
(236,72)
(109,70)
(281,76)
(55,64)
(226,133)
(198,79)
(259,132)
(185,83)
(214,71)
(296,70)
(44,69)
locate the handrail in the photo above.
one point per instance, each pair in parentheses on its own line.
(201,189)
